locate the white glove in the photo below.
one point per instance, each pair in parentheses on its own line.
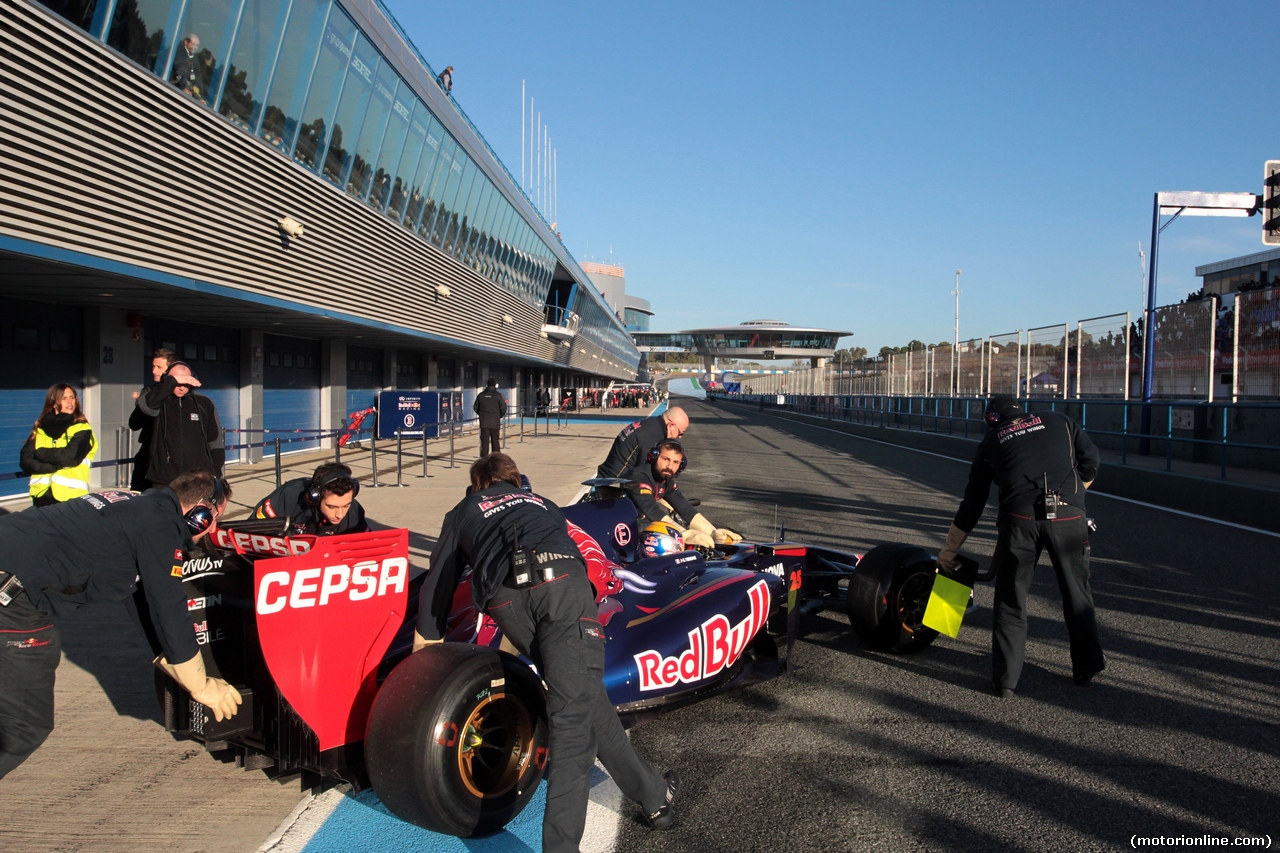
(698,539)
(420,642)
(700,523)
(725,536)
(214,693)
(947,556)
(667,519)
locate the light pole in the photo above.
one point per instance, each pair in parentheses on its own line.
(955,349)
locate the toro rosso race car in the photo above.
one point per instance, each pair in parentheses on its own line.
(316,633)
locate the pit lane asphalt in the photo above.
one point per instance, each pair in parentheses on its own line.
(866,751)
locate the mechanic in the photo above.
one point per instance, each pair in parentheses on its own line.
(323,504)
(1041,463)
(94,549)
(528,575)
(187,435)
(656,495)
(634,441)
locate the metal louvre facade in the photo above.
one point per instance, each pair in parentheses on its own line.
(111,167)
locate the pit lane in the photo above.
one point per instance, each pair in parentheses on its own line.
(866,751)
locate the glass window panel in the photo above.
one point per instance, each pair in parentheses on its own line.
(415,183)
(445,207)
(351,108)
(391,174)
(469,209)
(138,29)
(326,83)
(434,188)
(493,247)
(376,119)
(207,24)
(255,47)
(292,71)
(480,230)
(78,12)
(458,212)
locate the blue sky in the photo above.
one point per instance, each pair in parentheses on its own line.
(832,164)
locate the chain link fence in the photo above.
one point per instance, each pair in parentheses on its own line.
(1103,362)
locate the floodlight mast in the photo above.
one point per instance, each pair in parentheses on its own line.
(1175,204)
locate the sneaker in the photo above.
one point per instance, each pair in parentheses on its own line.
(665,816)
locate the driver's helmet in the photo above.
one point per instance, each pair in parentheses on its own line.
(659,538)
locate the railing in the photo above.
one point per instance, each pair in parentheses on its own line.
(1240,436)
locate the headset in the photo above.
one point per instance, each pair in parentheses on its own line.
(656,451)
(201,516)
(315,491)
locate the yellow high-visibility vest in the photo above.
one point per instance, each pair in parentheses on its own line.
(67,483)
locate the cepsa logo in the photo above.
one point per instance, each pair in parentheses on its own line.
(254,543)
(316,587)
(713,646)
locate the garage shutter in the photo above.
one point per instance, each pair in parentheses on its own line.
(364,377)
(291,392)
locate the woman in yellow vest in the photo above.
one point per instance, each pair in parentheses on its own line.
(60,449)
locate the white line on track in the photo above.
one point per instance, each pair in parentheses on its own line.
(1184,513)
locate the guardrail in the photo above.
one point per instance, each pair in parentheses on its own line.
(1189,431)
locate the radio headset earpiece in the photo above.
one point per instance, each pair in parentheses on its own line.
(315,491)
(656,451)
(201,516)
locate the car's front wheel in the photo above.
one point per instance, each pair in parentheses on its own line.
(457,739)
(888,594)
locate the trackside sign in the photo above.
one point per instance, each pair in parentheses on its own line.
(325,619)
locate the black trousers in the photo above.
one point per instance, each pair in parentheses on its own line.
(489,440)
(1018,549)
(30,651)
(556,624)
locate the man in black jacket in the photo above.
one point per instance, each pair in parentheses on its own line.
(144,424)
(95,549)
(636,439)
(656,496)
(550,615)
(1042,463)
(186,434)
(491,407)
(323,504)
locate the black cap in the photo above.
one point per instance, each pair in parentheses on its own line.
(999,407)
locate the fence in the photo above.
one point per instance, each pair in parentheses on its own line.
(1205,349)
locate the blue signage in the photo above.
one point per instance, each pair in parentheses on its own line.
(410,412)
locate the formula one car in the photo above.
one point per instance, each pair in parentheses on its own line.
(316,634)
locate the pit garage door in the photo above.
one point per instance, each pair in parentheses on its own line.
(291,392)
(364,377)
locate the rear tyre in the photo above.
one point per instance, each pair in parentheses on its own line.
(888,594)
(457,739)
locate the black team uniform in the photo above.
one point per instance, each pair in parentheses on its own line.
(291,501)
(646,490)
(1019,453)
(490,407)
(185,435)
(88,550)
(631,446)
(555,622)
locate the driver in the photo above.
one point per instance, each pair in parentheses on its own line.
(107,545)
(656,495)
(323,504)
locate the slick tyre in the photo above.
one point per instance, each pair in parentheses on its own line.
(457,739)
(888,594)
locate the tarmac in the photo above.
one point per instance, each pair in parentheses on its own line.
(110,778)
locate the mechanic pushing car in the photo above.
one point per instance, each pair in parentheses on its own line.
(656,495)
(529,576)
(634,441)
(89,550)
(1042,463)
(323,504)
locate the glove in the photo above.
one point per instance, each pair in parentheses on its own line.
(699,522)
(725,536)
(947,556)
(420,642)
(214,693)
(668,519)
(698,539)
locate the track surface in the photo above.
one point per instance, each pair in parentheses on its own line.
(867,751)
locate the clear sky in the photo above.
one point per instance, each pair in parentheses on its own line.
(833,164)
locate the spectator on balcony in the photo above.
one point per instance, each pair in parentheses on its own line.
(186,66)
(446,79)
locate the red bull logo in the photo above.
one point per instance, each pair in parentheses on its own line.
(714,646)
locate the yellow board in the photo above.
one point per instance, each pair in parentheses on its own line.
(947,604)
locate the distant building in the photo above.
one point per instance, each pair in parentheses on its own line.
(1248,272)
(611,281)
